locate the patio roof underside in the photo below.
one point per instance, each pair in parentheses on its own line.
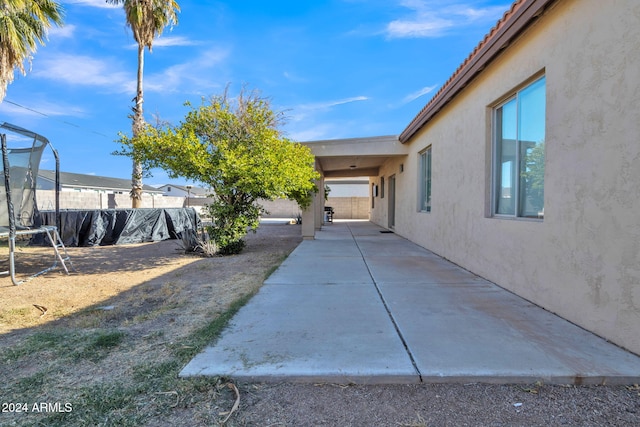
(341,158)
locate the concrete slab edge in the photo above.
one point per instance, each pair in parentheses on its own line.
(429,379)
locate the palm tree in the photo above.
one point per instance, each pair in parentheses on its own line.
(23,24)
(147,19)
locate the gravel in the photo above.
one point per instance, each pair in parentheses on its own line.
(437,405)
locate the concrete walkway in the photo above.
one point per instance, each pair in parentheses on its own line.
(360,306)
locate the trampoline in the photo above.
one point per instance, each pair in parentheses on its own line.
(21,155)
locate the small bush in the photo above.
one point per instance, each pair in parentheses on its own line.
(232,248)
(208,248)
(191,243)
(190,240)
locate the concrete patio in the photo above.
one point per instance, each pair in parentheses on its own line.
(359,305)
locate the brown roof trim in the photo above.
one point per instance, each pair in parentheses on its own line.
(518,18)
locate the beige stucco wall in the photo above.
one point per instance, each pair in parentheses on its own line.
(349,207)
(583,261)
(280,208)
(94,200)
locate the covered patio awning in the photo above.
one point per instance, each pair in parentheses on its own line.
(343,158)
(338,158)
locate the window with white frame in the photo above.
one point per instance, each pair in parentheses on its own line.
(425,181)
(519,149)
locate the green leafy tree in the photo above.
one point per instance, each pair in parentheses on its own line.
(233,146)
(23,24)
(147,20)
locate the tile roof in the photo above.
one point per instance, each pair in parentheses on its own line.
(521,15)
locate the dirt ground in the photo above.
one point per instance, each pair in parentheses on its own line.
(109,339)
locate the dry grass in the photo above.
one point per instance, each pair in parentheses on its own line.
(116,333)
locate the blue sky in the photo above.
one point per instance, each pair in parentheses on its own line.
(338,68)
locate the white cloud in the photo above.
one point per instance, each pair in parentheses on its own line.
(65,32)
(313,133)
(432,27)
(304,111)
(37,109)
(432,18)
(309,122)
(197,73)
(292,77)
(473,14)
(81,70)
(173,41)
(102,4)
(168,41)
(417,94)
(330,104)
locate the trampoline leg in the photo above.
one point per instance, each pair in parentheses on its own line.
(56,242)
(12,265)
(60,254)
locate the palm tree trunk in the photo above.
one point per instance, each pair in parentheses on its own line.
(138,127)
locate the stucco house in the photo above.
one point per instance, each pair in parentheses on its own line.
(81,182)
(525,167)
(184,190)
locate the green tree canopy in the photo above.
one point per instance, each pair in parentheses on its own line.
(233,146)
(23,25)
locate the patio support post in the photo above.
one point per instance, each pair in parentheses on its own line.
(308,223)
(312,216)
(319,204)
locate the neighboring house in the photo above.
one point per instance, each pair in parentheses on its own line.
(524,167)
(183,190)
(92,183)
